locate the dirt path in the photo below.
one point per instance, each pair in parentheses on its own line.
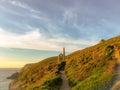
(116,85)
(65,85)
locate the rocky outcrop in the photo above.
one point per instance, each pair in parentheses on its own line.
(14,85)
(13,76)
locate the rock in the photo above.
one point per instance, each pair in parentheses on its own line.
(13,76)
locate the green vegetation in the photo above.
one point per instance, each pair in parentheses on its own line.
(61,66)
(92,68)
(39,76)
(51,84)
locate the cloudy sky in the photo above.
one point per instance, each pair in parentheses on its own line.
(53,24)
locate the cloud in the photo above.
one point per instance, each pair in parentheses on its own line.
(36,40)
(70,15)
(19,4)
(30,40)
(22,5)
(71,27)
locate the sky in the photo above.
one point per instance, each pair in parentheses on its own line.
(43,27)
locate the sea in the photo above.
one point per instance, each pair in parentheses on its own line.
(4,73)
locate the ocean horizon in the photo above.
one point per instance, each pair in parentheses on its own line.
(4,73)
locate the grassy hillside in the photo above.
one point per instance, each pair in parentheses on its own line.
(93,68)
(38,76)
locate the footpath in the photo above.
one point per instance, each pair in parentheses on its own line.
(65,85)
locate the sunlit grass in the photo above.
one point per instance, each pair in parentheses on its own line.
(93,68)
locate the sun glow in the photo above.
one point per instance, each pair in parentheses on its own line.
(7,62)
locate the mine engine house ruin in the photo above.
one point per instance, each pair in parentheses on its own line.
(61,56)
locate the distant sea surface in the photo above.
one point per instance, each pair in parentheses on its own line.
(4,73)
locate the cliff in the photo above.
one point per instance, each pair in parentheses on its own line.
(93,68)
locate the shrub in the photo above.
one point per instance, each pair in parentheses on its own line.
(51,84)
(61,66)
(109,49)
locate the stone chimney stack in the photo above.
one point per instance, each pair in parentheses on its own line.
(63,54)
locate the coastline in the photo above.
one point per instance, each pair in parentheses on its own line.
(4,73)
